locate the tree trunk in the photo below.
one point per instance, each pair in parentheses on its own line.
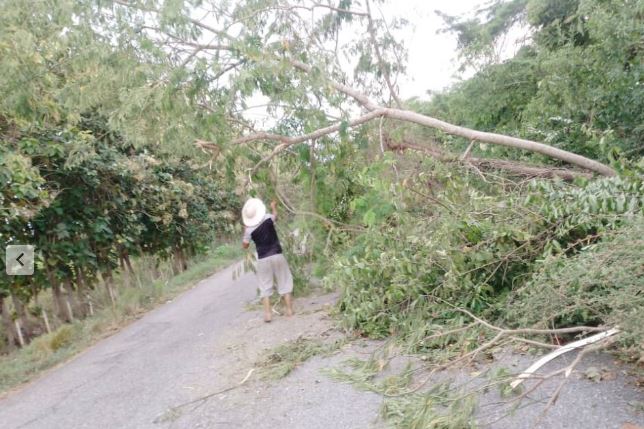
(59,302)
(18,305)
(81,299)
(179,263)
(175,264)
(34,293)
(23,318)
(70,302)
(126,267)
(184,260)
(108,281)
(156,273)
(128,263)
(59,305)
(9,328)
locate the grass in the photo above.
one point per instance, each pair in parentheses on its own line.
(283,359)
(67,340)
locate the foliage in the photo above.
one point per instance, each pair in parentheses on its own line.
(469,249)
(438,408)
(477,40)
(600,285)
(110,203)
(369,374)
(576,84)
(282,360)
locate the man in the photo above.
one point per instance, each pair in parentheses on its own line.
(260,227)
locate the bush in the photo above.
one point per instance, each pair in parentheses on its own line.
(601,285)
(62,337)
(472,250)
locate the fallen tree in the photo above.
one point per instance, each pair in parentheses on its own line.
(281,39)
(377,111)
(512,167)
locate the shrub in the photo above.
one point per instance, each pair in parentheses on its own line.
(601,285)
(61,338)
(471,250)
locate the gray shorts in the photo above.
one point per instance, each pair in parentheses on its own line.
(274,266)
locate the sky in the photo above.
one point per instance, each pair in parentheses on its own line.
(433,59)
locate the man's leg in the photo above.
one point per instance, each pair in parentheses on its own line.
(267,308)
(265,284)
(289,305)
(284,282)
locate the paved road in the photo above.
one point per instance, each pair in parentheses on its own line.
(130,378)
(203,341)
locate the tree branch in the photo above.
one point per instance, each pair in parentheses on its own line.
(482,136)
(381,63)
(361,98)
(513,167)
(289,141)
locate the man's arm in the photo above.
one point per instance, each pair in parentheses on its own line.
(246,239)
(274,208)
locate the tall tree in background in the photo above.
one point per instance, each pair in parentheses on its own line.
(576,83)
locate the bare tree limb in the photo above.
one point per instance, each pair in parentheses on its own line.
(482,136)
(513,167)
(570,330)
(499,139)
(466,154)
(567,371)
(361,98)
(288,141)
(381,64)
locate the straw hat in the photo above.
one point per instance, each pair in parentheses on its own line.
(253,212)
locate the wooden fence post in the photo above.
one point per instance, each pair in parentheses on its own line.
(19,331)
(70,313)
(46,319)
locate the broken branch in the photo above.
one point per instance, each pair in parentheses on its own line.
(482,136)
(513,167)
(569,347)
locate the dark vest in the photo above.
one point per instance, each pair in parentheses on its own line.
(266,241)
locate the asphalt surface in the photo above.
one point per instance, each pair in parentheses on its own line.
(204,341)
(126,380)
